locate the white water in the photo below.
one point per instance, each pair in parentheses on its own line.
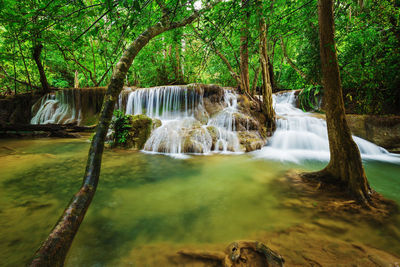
(302,136)
(224,122)
(185,121)
(58,108)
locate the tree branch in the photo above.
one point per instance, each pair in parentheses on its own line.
(54,249)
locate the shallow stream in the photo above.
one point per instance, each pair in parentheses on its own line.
(149,206)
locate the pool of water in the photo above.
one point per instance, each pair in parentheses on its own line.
(146,203)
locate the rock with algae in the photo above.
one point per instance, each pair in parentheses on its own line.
(239,253)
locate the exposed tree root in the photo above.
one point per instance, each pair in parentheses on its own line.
(336,198)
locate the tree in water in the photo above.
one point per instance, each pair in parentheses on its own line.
(345,166)
(54,249)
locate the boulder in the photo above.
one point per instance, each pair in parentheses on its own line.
(156,123)
(213,131)
(197,140)
(212,108)
(201,115)
(141,127)
(245,122)
(251,140)
(381,130)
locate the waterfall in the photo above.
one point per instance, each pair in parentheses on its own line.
(185,125)
(225,124)
(80,106)
(303,136)
(58,108)
(165,102)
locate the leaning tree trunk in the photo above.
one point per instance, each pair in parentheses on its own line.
(265,74)
(345,165)
(37,50)
(54,249)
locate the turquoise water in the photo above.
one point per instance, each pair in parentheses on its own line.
(150,203)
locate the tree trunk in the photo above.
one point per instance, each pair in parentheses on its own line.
(76,80)
(23,60)
(345,165)
(244,50)
(37,50)
(265,74)
(255,80)
(54,249)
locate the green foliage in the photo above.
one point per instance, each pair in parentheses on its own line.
(88,37)
(309,98)
(120,125)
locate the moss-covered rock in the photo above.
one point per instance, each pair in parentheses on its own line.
(213,131)
(245,122)
(197,140)
(251,140)
(212,108)
(138,132)
(156,123)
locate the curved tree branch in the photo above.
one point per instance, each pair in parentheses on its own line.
(54,249)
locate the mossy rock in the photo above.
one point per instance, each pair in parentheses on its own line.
(251,140)
(213,131)
(140,131)
(156,123)
(195,140)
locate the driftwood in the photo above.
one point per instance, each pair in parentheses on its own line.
(239,253)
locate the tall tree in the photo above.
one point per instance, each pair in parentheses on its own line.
(37,50)
(54,249)
(345,165)
(265,70)
(244,50)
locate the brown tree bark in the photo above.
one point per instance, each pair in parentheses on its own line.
(54,249)
(345,166)
(37,51)
(265,74)
(255,80)
(244,50)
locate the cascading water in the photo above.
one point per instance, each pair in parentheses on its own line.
(58,108)
(224,122)
(80,106)
(303,136)
(184,127)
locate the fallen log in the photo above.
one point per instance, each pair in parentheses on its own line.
(43,130)
(73,128)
